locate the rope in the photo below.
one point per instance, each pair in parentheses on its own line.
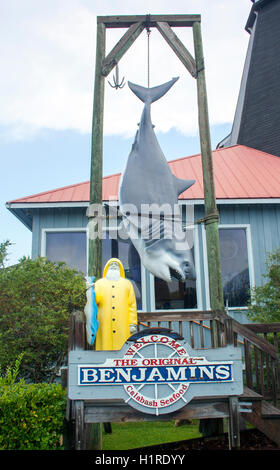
(147,23)
(148,34)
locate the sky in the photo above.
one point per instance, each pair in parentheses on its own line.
(47,52)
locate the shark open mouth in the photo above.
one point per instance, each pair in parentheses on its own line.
(174,274)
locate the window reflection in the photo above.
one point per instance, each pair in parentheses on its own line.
(130,259)
(175,295)
(69,247)
(234,266)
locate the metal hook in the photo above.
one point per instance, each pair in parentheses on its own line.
(148,24)
(117,83)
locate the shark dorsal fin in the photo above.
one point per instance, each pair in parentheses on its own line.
(182,185)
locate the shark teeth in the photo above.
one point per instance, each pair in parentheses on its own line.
(175,273)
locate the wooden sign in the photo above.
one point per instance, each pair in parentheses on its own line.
(154,373)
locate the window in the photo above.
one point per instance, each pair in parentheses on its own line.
(175,295)
(235,266)
(130,259)
(67,246)
(71,247)
(178,295)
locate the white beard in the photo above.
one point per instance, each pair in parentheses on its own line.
(113,274)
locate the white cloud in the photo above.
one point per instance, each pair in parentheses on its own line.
(48,54)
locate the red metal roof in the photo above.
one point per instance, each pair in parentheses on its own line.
(239,172)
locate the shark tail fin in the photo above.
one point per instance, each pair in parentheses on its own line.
(149,95)
(182,185)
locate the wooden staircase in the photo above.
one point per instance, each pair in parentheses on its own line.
(260,352)
(263,416)
(267,419)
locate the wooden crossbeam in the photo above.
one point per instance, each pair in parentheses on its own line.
(121,47)
(126,21)
(177,46)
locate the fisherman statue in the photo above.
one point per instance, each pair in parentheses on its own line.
(111,311)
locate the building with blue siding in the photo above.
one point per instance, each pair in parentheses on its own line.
(247,184)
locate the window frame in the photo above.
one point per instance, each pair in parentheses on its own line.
(68,229)
(43,250)
(248,232)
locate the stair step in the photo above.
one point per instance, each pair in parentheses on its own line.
(269,411)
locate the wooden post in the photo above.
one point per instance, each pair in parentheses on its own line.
(96,171)
(234,415)
(79,425)
(93,432)
(211,212)
(208,427)
(234,424)
(228,331)
(74,435)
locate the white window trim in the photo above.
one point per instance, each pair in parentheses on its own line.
(46,230)
(250,260)
(49,205)
(198,281)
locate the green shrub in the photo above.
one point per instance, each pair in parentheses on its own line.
(11,373)
(31,416)
(265,303)
(36,300)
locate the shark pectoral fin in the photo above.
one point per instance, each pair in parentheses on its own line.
(182,185)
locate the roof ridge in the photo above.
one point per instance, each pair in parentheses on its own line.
(61,188)
(215,150)
(49,191)
(110,176)
(259,151)
(184,158)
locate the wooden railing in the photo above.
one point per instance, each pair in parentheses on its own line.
(262,364)
(208,329)
(201,329)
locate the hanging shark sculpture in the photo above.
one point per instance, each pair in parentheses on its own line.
(147,183)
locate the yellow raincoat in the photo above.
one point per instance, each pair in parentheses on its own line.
(116,310)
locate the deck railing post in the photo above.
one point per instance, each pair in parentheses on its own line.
(234,424)
(228,331)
